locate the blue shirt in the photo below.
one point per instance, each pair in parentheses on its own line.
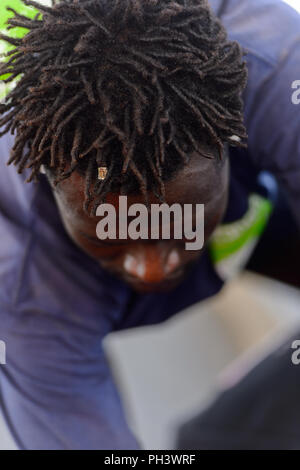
(56,304)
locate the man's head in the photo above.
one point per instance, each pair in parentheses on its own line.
(149,89)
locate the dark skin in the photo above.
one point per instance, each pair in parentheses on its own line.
(148,265)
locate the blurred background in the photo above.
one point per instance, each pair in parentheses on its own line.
(294,3)
(168,373)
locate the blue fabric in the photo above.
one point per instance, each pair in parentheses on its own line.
(56,305)
(269,31)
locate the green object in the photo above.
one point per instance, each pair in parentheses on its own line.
(231,244)
(17,32)
(5,14)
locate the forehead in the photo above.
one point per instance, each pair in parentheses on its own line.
(200,181)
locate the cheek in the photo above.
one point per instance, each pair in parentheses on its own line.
(105,254)
(74,223)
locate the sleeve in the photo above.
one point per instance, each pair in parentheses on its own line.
(274,125)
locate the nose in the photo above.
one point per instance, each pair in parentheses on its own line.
(151,264)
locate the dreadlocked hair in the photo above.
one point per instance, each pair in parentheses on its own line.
(133,85)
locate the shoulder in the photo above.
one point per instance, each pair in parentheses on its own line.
(16,197)
(266,29)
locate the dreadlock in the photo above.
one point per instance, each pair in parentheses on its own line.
(133,85)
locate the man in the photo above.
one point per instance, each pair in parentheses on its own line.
(146,95)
